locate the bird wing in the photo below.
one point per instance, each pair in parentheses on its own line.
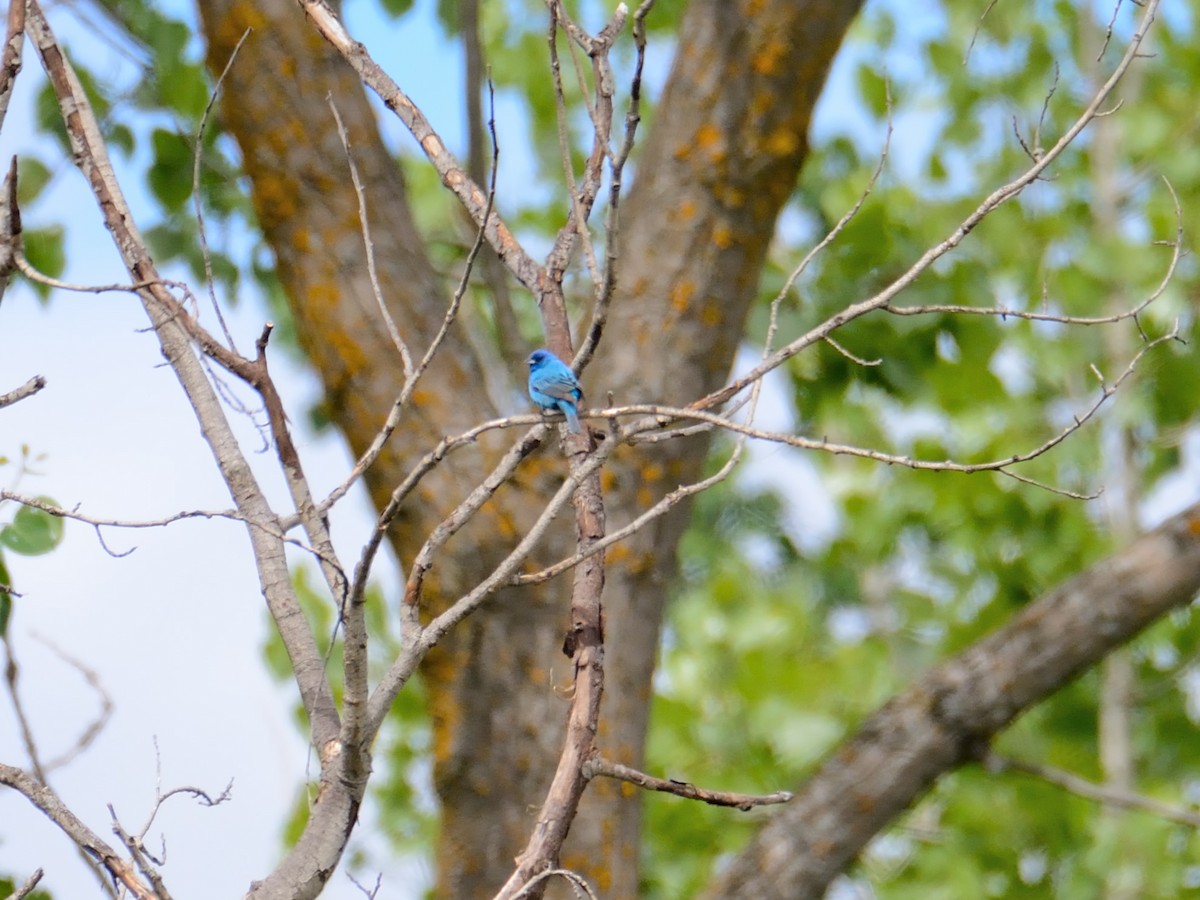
(560,387)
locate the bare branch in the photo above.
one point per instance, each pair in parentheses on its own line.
(612,219)
(468,192)
(146,862)
(410,385)
(369,245)
(10,59)
(600,766)
(176,329)
(27,269)
(196,201)
(28,389)
(992,202)
(48,802)
(93,729)
(582,888)
(659,509)
(1089,790)
(10,217)
(31,882)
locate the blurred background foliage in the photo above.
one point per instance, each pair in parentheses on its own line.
(813,587)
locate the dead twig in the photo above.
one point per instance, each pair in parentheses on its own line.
(599,766)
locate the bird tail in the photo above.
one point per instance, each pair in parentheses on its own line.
(572,419)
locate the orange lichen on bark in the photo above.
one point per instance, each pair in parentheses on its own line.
(684,212)
(231,28)
(711,314)
(769,59)
(707,137)
(275,198)
(500,522)
(440,665)
(682,292)
(781,142)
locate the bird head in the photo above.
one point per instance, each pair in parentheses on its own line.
(539,357)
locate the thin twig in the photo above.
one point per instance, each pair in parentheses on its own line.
(32,881)
(146,862)
(978,27)
(599,766)
(988,205)
(1133,312)
(369,245)
(28,389)
(371,893)
(1104,794)
(87,840)
(410,384)
(582,888)
(176,331)
(612,219)
(197,157)
(96,726)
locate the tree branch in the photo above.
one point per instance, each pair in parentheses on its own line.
(992,202)
(28,389)
(1089,790)
(949,715)
(48,802)
(598,765)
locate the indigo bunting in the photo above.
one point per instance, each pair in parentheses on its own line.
(553,386)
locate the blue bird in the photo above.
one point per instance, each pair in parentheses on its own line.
(553,386)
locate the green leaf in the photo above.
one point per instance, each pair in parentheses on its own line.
(44,250)
(32,176)
(32,531)
(5,598)
(170,175)
(396,8)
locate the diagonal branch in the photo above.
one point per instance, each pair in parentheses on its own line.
(949,715)
(28,389)
(169,323)
(86,839)
(473,198)
(1106,794)
(992,202)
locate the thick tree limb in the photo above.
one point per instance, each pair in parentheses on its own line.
(947,718)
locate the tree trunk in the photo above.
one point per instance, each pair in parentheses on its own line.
(723,157)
